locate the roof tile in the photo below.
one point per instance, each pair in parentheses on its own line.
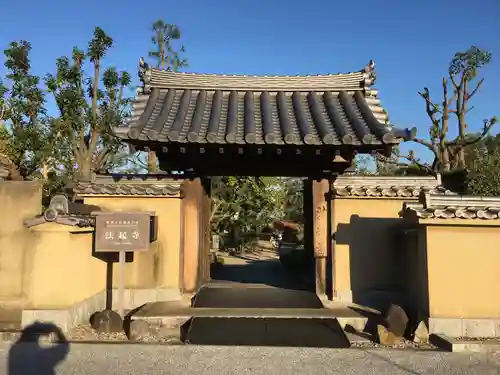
(454,207)
(222,109)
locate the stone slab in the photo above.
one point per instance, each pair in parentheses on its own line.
(267,332)
(159,311)
(266,297)
(456,345)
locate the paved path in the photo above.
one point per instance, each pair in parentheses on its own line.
(130,359)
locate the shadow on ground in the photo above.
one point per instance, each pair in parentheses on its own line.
(261,267)
(27,355)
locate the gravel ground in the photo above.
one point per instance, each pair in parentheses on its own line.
(87,333)
(208,360)
(405,344)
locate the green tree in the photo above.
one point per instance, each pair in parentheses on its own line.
(23,125)
(483,163)
(166,56)
(293,200)
(246,203)
(88,112)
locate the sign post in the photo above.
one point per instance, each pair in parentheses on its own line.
(122,232)
(121,284)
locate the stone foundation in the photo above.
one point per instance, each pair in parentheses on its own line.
(456,327)
(80,312)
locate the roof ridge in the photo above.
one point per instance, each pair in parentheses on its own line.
(169,72)
(158,78)
(450,206)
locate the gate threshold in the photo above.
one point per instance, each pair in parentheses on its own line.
(153,312)
(166,310)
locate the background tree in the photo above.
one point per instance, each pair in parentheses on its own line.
(458,89)
(166,56)
(246,203)
(23,125)
(293,200)
(87,113)
(482,160)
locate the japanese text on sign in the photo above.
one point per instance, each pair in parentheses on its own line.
(122,232)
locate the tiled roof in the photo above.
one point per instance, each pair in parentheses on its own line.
(123,184)
(61,211)
(223,109)
(389,187)
(455,206)
(81,221)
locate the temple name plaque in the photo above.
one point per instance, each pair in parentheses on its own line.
(122,231)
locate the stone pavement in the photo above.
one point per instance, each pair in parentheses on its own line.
(133,359)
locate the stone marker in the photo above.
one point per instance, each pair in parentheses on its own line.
(107,321)
(421,334)
(397,320)
(387,338)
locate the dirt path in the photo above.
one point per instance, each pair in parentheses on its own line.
(258,267)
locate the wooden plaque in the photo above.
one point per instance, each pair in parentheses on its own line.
(122,231)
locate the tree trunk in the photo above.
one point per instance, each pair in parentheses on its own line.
(45,171)
(444,159)
(151,161)
(85,171)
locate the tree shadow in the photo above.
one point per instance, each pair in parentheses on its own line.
(27,356)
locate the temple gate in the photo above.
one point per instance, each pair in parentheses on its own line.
(225,125)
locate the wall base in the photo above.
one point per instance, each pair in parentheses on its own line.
(456,327)
(80,312)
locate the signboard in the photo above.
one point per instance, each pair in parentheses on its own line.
(122,231)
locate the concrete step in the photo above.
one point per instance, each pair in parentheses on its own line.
(323,327)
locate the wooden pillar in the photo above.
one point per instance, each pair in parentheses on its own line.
(191,240)
(319,190)
(204,270)
(308,218)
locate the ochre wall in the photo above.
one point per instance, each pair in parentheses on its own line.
(19,200)
(158,267)
(365,246)
(463,269)
(61,268)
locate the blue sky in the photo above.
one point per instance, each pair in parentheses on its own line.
(410,41)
